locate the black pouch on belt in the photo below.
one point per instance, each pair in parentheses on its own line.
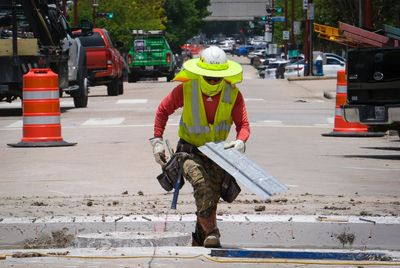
(171,172)
(230,189)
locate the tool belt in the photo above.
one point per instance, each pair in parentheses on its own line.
(171,172)
(230,189)
(186,147)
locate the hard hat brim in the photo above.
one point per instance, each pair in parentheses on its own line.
(233,69)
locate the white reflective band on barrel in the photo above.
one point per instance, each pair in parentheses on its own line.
(339,112)
(37,95)
(41,120)
(341,89)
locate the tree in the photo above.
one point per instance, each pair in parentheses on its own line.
(128,15)
(184,19)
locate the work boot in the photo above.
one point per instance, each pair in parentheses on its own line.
(198,236)
(209,225)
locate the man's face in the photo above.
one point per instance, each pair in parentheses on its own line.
(213,80)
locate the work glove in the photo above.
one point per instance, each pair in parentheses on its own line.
(158,150)
(237,144)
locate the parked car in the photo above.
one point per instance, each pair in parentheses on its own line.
(150,56)
(330,68)
(104,62)
(333,55)
(294,69)
(243,50)
(274,70)
(226,45)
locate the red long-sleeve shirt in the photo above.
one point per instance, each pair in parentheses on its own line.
(174,101)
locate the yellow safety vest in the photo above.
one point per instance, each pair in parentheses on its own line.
(194,127)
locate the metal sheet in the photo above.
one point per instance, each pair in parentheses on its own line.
(248,173)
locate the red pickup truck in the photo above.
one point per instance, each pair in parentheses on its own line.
(104,63)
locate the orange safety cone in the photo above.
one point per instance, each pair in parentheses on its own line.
(343,128)
(41,110)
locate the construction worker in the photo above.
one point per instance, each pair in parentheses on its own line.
(211,103)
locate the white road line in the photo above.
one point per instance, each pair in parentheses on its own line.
(104,121)
(16,124)
(330,120)
(269,122)
(67,103)
(10,105)
(132,101)
(292,185)
(375,169)
(253,99)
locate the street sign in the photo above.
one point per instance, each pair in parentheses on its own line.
(310,11)
(296,27)
(285,35)
(278,19)
(268,36)
(305,4)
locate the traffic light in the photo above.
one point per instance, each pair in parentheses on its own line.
(264,18)
(107,15)
(270,11)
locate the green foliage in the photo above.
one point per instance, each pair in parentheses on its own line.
(127,15)
(184,19)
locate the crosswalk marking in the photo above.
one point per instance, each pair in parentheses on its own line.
(103,121)
(268,122)
(132,101)
(253,99)
(173,121)
(16,124)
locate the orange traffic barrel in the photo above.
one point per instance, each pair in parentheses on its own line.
(41,110)
(342,128)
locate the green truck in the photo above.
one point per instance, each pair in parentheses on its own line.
(150,56)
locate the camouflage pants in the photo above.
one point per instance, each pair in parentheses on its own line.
(206,178)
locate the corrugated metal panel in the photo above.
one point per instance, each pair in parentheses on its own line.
(248,173)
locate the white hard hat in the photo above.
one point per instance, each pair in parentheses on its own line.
(213,62)
(213,55)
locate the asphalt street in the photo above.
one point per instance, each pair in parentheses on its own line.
(111,170)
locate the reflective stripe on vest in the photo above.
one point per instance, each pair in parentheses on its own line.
(196,129)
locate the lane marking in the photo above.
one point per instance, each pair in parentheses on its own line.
(108,123)
(132,101)
(269,122)
(16,124)
(103,121)
(253,99)
(330,120)
(375,169)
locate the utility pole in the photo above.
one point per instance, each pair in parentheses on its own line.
(64,7)
(292,37)
(76,13)
(368,14)
(286,28)
(308,45)
(94,7)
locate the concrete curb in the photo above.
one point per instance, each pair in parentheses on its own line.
(309,78)
(187,257)
(286,231)
(330,94)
